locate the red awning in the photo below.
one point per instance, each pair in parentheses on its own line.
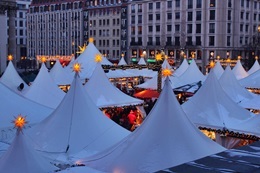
(147,94)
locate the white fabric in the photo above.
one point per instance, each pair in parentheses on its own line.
(165,139)
(141,61)
(44,90)
(227,142)
(21,157)
(192,74)
(76,125)
(211,107)
(182,68)
(60,75)
(13,104)
(104,93)
(87,61)
(118,73)
(239,71)
(80,169)
(251,81)
(218,69)
(233,88)
(254,68)
(122,61)
(12,79)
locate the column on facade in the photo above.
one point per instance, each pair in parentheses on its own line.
(11,33)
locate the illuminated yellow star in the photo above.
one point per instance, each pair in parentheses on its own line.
(98,58)
(91,40)
(19,122)
(43,59)
(256,57)
(10,57)
(158,57)
(211,64)
(167,72)
(82,49)
(77,67)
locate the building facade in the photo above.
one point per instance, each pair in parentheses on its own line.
(107,23)
(200,29)
(55,29)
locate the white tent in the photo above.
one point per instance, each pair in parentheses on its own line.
(165,139)
(76,125)
(218,69)
(141,61)
(87,61)
(182,68)
(239,71)
(251,81)
(80,169)
(118,73)
(44,90)
(122,61)
(254,68)
(192,74)
(12,79)
(21,157)
(104,93)
(60,75)
(13,104)
(233,88)
(211,107)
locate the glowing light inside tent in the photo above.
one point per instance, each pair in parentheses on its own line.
(211,64)
(91,40)
(20,122)
(166,72)
(239,57)
(82,49)
(77,67)
(98,58)
(10,57)
(256,57)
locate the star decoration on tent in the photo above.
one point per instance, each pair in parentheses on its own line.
(159,57)
(167,72)
(238,57)
(82,49)
(10,57)
(77,67)
(19,122)
(98,58)
(43,59)
(211,64)
(91,40)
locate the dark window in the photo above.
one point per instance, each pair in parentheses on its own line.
(198,28)
(189,16)
(228,41)
(198,15)
(212,3)
(150,17)
(212,28)
(229,28)
(157,28)
(198,41)
(169,28)
(177,28)
(189,28)
(169,16)
(150,28)
(177,15)
(177,3)
(177,41)
(190,3)
(212,15)
(229,3)
(169,4)
(211,40)
(150,6)
(198,4)
(158,17)
(158,5)
(242,3)
(229,15)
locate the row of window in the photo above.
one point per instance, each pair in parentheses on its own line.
(105,33)
(106,43)
(104,22)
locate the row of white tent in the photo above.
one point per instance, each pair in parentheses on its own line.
(78,132)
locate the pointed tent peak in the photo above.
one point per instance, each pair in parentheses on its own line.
(19,122)
(166,72)
(141,61)
(238,57)
(82,48)
(98,58)
(91,40)
(10,57)
(122,61)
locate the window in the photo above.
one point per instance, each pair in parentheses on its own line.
(241,40)
(211,40)
(169,40)
(198,4)
(189,41)
(133,8)
(150,28)
(255,5)
(169,4)
(177,15)
(229,3)
(198,28)
(157,40)
(139,7)
(212,15)
(242,3)
(157,28)
(133,30)
(198,15)
(189,28)
(139,18)
(21,32)
(21,23)
(177,28)
(247,16)
(150,6)
(140,30)
(242,15)
(228,41)
(255,16)
(190,4)
(241,27)
(247,3)
(229,15)
(247,28)
(158,17)
(132,20)
(20,14)
(169,28)
(212,28)
(158,5)
(198,41)
(229,28)
(169,16)
(189,16)
(177,41)
(150,17)
(177,3)
(212,3)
